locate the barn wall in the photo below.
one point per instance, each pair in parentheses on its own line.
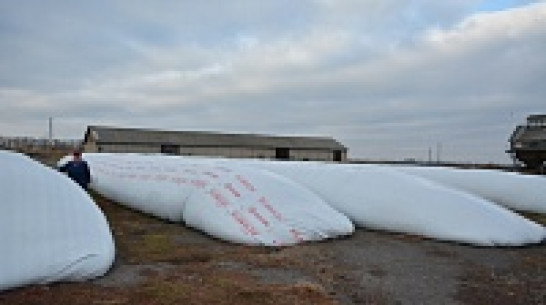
(90,147)
(129,148)
(227,152)
(307,154)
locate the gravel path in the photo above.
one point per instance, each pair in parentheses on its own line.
(381,268)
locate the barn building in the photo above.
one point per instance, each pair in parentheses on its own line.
(197,143)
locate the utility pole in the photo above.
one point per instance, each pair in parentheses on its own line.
(438,152)
(429,155)
(50,131)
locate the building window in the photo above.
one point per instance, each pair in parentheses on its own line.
(170,149)
(282,153)
(337,155)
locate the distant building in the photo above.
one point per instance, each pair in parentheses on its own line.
(197,143)
(26,144)
(528,142)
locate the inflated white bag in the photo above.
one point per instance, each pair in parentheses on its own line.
(382,198)
(232,202)
(512,190)
(50,229)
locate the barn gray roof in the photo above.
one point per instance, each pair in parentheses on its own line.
(116,135)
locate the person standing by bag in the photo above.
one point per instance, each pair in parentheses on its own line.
(78,170)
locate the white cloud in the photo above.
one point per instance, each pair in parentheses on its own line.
(488,28)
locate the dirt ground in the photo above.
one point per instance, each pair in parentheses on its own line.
(167,263)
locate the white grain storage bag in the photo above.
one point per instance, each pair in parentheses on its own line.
(230,201)
(383,198)
(50,229)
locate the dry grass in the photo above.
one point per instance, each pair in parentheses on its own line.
(198,286)
(539,218)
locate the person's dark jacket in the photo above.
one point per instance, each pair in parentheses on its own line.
(77,171)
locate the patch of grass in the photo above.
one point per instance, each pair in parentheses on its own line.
(161,291)
(203,285)
(162,248)
(156,245)
(64,294)
(536,217)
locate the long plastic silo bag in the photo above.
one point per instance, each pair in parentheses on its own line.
(512,190)
(232,202)
(383,198)
(50,229)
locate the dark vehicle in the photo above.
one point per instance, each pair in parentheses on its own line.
(528,142)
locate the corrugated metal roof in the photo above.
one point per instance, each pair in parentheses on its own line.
(103,134)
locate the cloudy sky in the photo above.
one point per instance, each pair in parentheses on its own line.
(388,78)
